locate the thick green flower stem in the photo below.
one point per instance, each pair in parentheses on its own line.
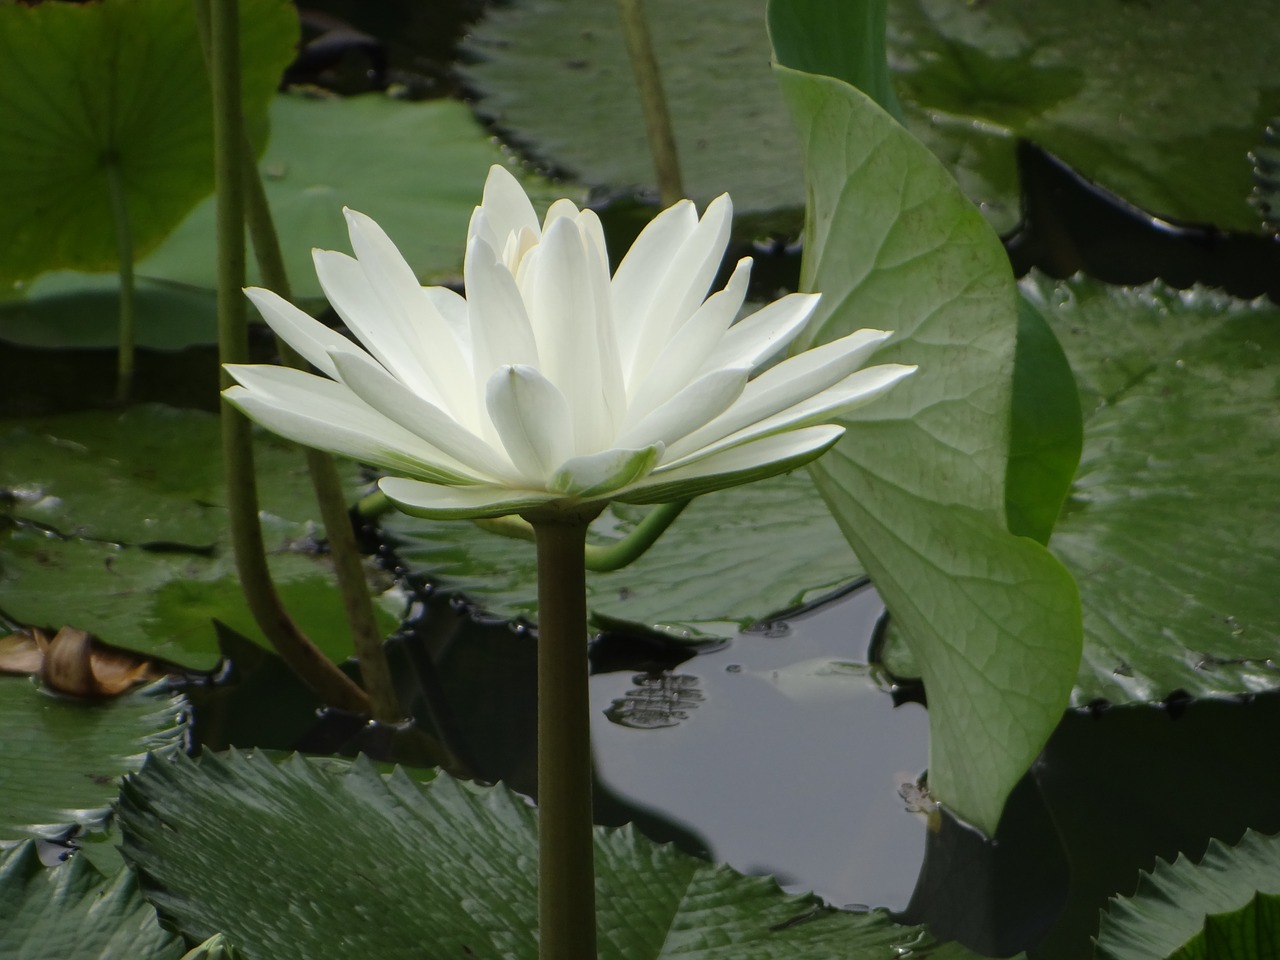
(566,868)
(124,253)
(653,101)
(315,669)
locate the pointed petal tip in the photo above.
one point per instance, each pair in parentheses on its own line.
(498,171)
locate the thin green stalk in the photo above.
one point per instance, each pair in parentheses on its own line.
(124,253)
(356,601)
(374,505)
(597,557)
(615,556)
(566,867)
(330,683)
(653,101)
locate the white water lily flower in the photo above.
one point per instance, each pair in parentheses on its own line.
(553,386)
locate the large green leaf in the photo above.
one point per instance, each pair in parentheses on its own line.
(416,168)
(555,78)
(1171,528)
(88,89)
(849,48)
(364,152)
(61,759)
(1188,911)
(121,531)
(738,555)
(1046,433)
(444,864)
(1166,121)
(72,912)
(918,482)
(1250,933)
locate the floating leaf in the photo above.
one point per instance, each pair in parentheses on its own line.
(918,482)
(117,88)
(971,78)
(1226,907)
(1170,527)
(1046,433)
(62,758)
(1069,75)
(63,308)
(463,859)
(737,555)
(555,78)
(72,912)
(121,530)
(417,168)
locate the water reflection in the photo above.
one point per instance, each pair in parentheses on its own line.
(791,762)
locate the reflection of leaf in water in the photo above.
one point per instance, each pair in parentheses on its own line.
(657,700)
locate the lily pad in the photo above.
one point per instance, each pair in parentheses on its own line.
(118,89)
(1226,906)
(417,168)
(738,555)
(1170,527)
(1166,122)
(555,78)
(63,759)
(917,484)
(72,912)
(64,308)
(467,854)
(120,530)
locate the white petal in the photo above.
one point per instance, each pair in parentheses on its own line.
(602,473)
(860,387)
(375,386)
(786,384)
(452,308)
(308,336)
(755,338)
(645,264)
(457,503)
(507,210)
(409,317)
(532,419)
(695,405)
(326,415)
(729,468)
(687,351)
(397,345)
(682,289)
(592,232)
(572,341)
(500,328)
(563,207)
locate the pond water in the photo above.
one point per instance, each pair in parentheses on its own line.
(791,761)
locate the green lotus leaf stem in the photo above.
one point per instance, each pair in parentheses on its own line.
(357,604)
(124,250)
(615,556)
(566,868)
(600,558)
(374,505)
(330,683)
(653,101)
